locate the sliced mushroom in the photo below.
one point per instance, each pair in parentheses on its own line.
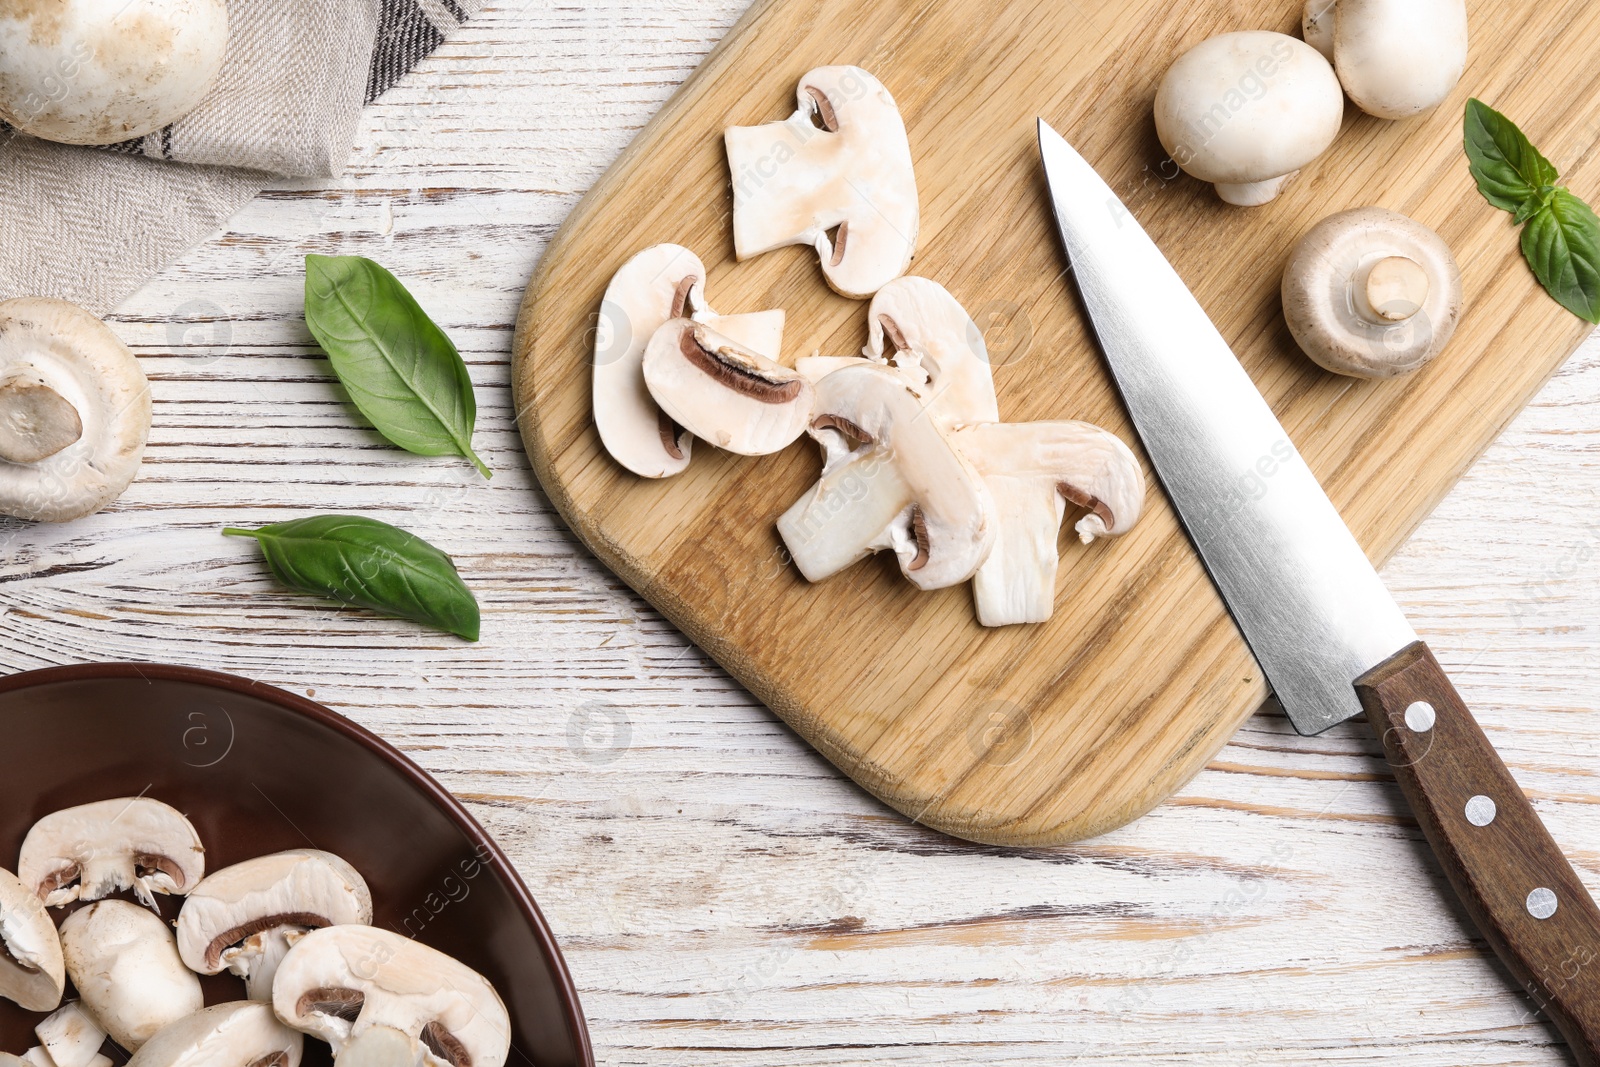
(1371,293)
(87,72)
(243,1033)
(71,1035)
(74,411)
(94,850)
(357,987)
(840,165)
(1034,470)
(124,962)
(1395,58)
(245,917)
(661,283)
(31,971)
(1246,111)
(723,393)
(890,481)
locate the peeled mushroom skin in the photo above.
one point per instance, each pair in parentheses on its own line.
(662,283)
(723,393)
(836,175)
(1246,111)
(60,347)
(244,918)
(104,71)
(32,973)
(242,1033)
(892,482)
(1396,58)
(125,965)
(1371,293)
(93,850)
(343,982)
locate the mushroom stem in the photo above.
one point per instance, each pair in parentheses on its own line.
(1253,194)
(1394,289)
(36,422)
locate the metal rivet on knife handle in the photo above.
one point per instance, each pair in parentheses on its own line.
(1541,903)
(1420,717)
(1480,810)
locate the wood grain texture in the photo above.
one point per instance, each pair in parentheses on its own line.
(1505,868)
(1050,733)
(723,895)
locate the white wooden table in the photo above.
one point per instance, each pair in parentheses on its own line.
(722,894)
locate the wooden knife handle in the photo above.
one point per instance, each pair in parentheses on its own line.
(1505,867)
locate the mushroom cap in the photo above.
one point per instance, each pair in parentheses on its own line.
(1248,107)
(74,354)
(93,850)
(1324,294)
(936,347)
(242,1033)
(124,962)
(341,981)
(130,68)
(662,283)
(31,968)
(841,161)
(1398,57)
(722,392)
(300,889)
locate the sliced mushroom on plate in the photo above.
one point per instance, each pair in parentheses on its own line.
(93,850)
(243,1033)
(71,1036)
(661,283)
(1395,58)
(91,72)
(891,481)
(124,962)
(31,970)
(74,411)
(1246,111)
(1371,293)
(243,918)
(724,393)
(1034,470)
(836,175)
(380,998)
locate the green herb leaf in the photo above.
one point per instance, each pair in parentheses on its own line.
(369,564)
(1562,244)
(1508,169)
(397,365)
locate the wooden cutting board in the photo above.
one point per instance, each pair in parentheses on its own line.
(1048,733)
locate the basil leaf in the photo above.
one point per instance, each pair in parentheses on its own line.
(1508,169)
(1562,244)
(369,564)
(401,370)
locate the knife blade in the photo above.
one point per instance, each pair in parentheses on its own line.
(1330,639)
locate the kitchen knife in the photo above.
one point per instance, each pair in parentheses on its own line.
(1330,639)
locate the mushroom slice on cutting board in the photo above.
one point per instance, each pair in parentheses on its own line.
(891,480)
(662,283)
(1371,293)
(243,1033)
(376,996)
(243,918)
(1245,111)
(1034,470)
(1395,58)
(124,962)
(74,411)
(93,850)
(31,970)
(71,1036)
(840,165)
(724,393)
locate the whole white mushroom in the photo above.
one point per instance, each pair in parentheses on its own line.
(1247,110)
(103,71)
(1395,58)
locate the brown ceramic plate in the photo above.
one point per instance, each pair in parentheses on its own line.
(259,770)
